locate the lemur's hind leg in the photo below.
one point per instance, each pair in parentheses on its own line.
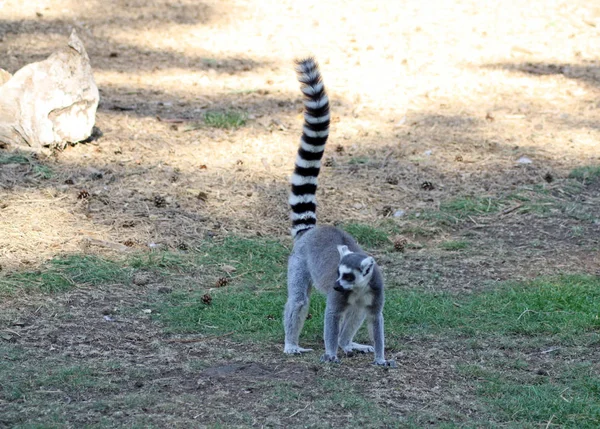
(296,307)
(353,319)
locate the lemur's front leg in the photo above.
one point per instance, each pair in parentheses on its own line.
(376,322)
(332,329)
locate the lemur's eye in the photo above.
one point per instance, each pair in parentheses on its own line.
(349,277)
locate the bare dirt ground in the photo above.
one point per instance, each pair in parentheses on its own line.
(451,93)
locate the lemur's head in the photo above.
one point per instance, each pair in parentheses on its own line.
(354,270)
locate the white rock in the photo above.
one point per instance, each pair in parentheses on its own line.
(4,76)
(524,160)
(401,122)
(50,103)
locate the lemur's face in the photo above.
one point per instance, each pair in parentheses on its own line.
(354,270)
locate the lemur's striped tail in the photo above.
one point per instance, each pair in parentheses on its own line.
(312,144)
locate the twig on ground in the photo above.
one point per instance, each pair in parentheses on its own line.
(511,209)
(108,244)
(550,350)
(298,411)
(170,120)
(479,225)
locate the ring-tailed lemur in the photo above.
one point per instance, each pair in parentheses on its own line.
(324,256)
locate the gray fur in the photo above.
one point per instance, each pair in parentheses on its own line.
(314,262)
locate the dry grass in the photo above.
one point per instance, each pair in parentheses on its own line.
(476,84)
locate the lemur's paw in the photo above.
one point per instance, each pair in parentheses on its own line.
(327,358)
(295,350)
(359,348)
(388,363)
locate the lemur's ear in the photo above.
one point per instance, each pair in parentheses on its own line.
(367,265)
(343,251)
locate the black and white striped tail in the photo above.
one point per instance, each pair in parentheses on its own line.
(312,144)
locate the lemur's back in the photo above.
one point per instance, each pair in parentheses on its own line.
(318,249)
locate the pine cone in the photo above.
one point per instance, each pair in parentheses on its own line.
(222,281)
(207,299)
(400,243)
(129,243)
(428,186)
(159,201)
(386,211)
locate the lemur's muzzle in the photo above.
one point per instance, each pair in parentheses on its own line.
(339,287)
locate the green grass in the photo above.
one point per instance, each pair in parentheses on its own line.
(75,377)
(244,91)
(64,273)
(537,199)
(329,394)
(228,119)
(39,171)
(358,160)
(341,394)
(259,263)
(458,210)
(163,261)
(13,158)
(242,312)
(586,174)
(569,396)
(454,245)
(209,62)
(250,304)
(54,388)
(419,231)
(564,307)
(42,172)
(20,381)
(461,208)
(366,235)
(537,314)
